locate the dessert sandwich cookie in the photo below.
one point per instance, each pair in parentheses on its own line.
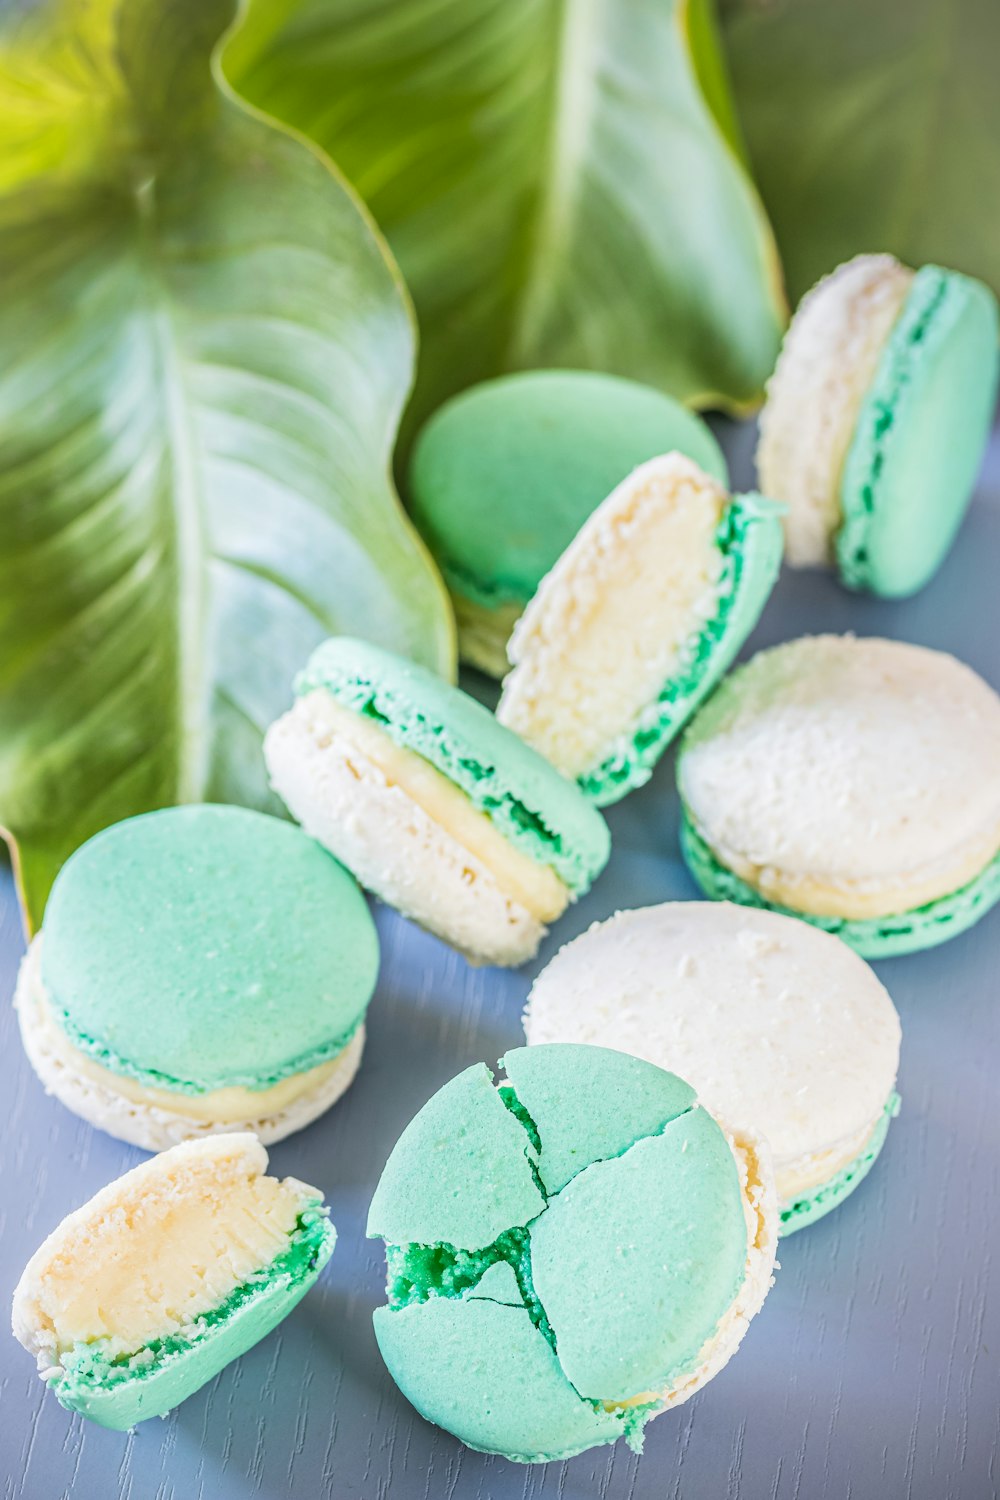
(781,1028)
(570,1251)
(637,621)
(144,1294)
(876,418)
(199,969)
(855,783)
(504,475)
(436,808)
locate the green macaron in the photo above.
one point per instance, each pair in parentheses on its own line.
(434,805)
(504,475)
(568,1252)
(193,952)
(877,417)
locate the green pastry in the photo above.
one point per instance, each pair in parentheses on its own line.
(876,419)
(504,475)
(569,1253)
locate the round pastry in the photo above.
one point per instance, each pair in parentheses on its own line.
(782,1029)
(855,783)
(435,806)
(637,621)
(144,1294)
(569,1253)
(199,969)
(504,475)
(876,419)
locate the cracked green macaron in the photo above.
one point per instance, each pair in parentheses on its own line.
(504,475)
(876,419)
(199,969)
(571,1249)
(166,1275)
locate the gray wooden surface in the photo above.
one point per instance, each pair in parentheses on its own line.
(872,1372)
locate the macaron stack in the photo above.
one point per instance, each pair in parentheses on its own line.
(579,1242)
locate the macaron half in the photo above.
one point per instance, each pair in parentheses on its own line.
(876,419)
(782,1029)
(855,783)
(144,1294)
(436,807)
(516,1318)
(504,475)
(637,621)
(199,969)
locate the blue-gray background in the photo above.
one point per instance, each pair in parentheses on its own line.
(872,1372)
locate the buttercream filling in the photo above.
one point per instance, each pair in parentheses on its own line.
(532,885)
(583,673)
(804,1207)
(825,895)
(817,393)
(149,1268)
(226,1106)
(802,1175)
(483,632)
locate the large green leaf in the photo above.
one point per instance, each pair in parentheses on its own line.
(559,179)
(203,356)
(873,125)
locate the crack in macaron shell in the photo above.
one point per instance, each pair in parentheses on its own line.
(423,1276)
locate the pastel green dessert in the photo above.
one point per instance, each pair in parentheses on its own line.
(144,1294)
(876,419)
(504,475)
(852,782)
(433,804)
(516,1317)
(637,622)
(199,968)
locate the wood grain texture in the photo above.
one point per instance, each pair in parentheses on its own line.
(871,1374)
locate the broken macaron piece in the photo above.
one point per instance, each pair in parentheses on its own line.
(199,969)
(876,419)
(144,1294)
(514,1320)
(503,476)
(638,620)
(435,807)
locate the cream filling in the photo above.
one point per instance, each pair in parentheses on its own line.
(483,633)
(226,1106)
(609,624)
(857,900)
(814,398)
(798,1175)
(533,886)
(761,1217)
(156,1250)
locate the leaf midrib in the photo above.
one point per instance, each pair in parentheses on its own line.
(187,505)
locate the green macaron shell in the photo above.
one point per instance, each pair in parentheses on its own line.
(872,937)
(504,475)
(201,948)
(609,1289)
(750,539)
(920,436)
(118,1393)
(537,810)
(814,1205)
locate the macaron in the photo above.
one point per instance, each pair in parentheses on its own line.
(571,1250)
(855,783)
(199,969)
(876,418)
(782,1029)
(437,808)
(637,621)
(504,475)
(144,1294)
